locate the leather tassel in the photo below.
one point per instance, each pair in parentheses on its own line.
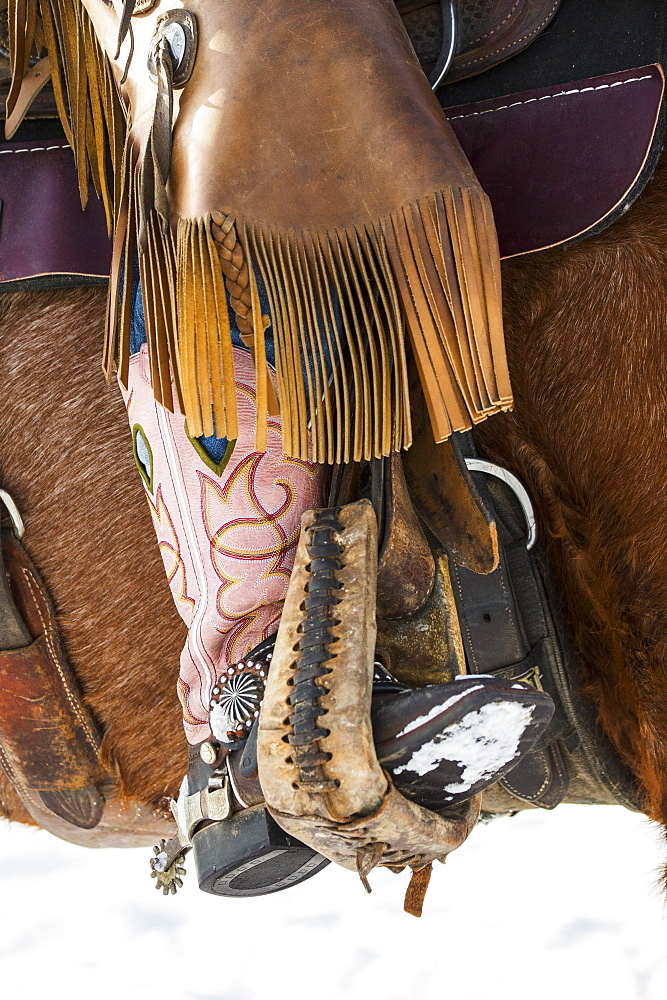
(157,156)
(416,892)
(262,380)
(244,297)
(22,22)
(204,336)
(125,21)
(338,302)
(33,82)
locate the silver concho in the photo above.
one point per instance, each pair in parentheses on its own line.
(236,700)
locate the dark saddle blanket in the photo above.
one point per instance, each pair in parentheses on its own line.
(563,136)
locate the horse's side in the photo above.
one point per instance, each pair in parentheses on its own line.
(587,346)
(586,341)
(66,458)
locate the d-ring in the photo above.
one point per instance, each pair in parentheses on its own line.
(18,523)
(519,490)
(448,45)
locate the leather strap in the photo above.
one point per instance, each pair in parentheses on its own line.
(48,739)
(36,78)
(406,569)
(13,631)
(494,636)
(509,629)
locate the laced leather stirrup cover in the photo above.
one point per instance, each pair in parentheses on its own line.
(296,150)
(317,763)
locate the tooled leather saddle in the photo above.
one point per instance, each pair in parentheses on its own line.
(484,34)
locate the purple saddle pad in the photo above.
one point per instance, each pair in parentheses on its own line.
(557,163)
(561,161)
(43,229)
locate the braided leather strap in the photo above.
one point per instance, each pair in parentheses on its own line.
(234,268)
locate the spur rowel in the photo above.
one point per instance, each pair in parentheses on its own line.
(445,743)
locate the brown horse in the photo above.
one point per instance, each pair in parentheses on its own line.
(84,509)
(584,344)
(587,436)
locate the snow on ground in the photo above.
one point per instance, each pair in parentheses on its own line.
(543,906)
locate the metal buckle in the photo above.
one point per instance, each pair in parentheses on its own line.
(519,490)
(213,803)
(18,524)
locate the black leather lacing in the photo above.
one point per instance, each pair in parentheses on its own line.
(314,652)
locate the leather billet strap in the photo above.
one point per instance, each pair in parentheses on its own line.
(49,741)
(511,628)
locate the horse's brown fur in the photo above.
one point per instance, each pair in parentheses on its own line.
(587,343)
(66,457)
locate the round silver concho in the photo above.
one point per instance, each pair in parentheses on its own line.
(236,699)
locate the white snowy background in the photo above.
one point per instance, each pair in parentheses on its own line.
(541,906)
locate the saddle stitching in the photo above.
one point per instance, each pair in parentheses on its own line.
(536,794)
(36,149)
(465,617)
(23,790)
(548,97)
(496,30)
(506,595)
(48,634)
(517,41)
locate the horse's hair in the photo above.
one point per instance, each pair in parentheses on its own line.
(66,457)
(587,343)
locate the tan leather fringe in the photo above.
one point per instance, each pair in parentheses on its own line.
(340,301)
(22,24)
(83,85)
(243,296)
(204,337)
